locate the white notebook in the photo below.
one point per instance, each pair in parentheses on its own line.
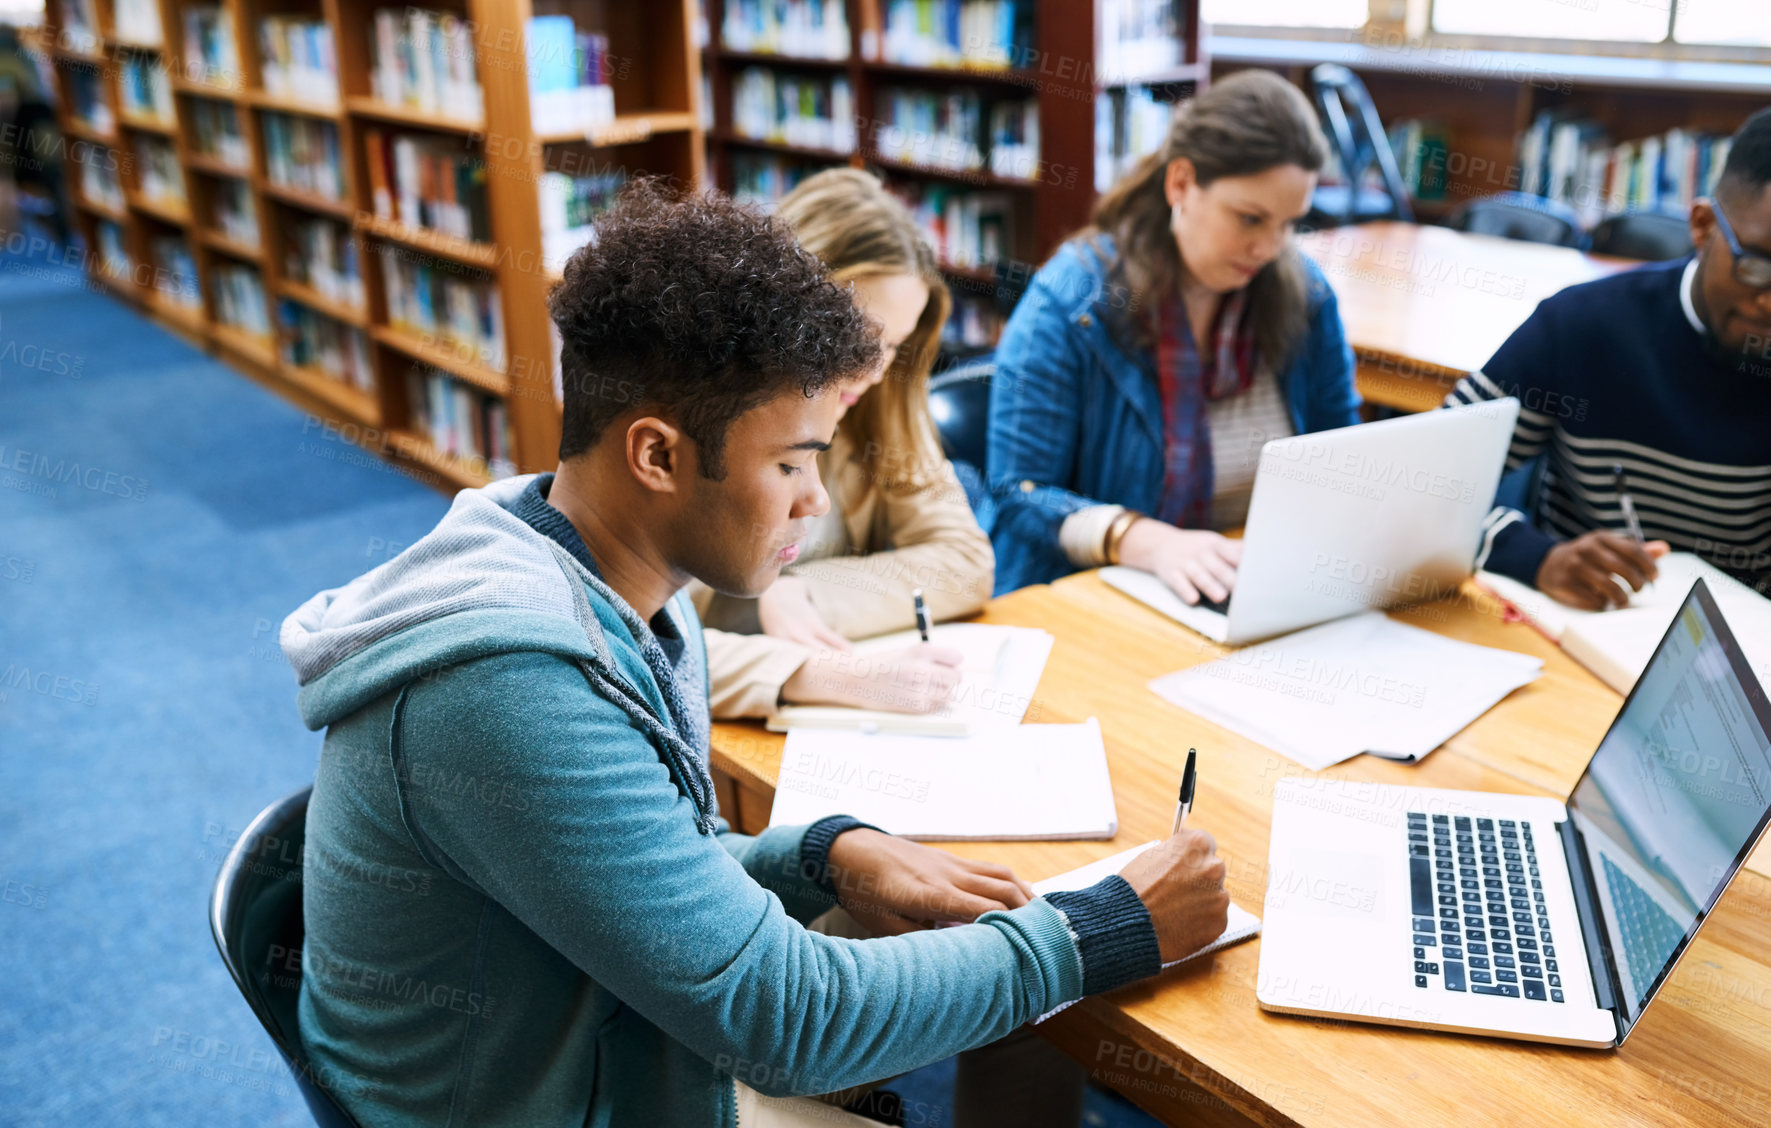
(1241,926)
(1002,668)
(1617,644)
(1021,782)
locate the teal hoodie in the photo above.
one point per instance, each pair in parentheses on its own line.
(522,906)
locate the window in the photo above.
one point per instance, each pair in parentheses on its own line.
(1633,21)
(1731,22)
(1287,13)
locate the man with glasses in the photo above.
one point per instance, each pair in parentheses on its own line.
(1655,383)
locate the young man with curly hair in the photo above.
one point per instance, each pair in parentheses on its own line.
(522,906)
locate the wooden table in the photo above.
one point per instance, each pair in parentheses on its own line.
(1192,1046)
(1425,305)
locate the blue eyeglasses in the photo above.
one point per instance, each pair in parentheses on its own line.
(1750,268)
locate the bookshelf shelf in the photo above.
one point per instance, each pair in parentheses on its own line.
(466,252)
(772,59)
(253,347)
(85,132)
(104,211)
(1000,76)
(75,55)
(976,178)
(625,129)
(443,357)
(459,472)
(1159,76)
(215,166)
(355,403)
(184,318)
(166,211)
(377,110)
(802,151)
(310,201)
(132,46)
(222,91)
(148,124)
(216,241)
(259,99)
(320,303)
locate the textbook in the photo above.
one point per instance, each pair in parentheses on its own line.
(1617,644)
(1001,670)
(1242,924)
(1019,783)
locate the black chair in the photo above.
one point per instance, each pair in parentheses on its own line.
(1359,141)
(255,917)
(959,400)
(1652,236)
(1519,215)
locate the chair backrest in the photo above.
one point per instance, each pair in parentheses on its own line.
(255,917)
(959,400)
(1519,215)
(1350,121)
(1652,236)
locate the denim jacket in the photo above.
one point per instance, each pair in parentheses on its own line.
(1076,413)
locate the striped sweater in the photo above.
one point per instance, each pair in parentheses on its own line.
(1617,372)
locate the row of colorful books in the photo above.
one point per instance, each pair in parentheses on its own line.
(460,420)
(764,178)
(235,213)
(302,153)
(158,171)
(209,52)
(321,254)
(1140,36)
(569,75)
(239,298)
(310,339)
(458,311)
(297,59)
(215,132)
(813,29)
(945,130)
(422,180)
(992,34)
(175,272)
(968,229)
(568,205)
(424,60)
(138,21)
(1130,123)
(145,89)
(813,112)
(1574,160)
(86,99)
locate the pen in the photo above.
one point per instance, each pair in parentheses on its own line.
(1186,801)
(922,615)
(1628,505)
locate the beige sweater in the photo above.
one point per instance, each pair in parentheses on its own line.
(879,544)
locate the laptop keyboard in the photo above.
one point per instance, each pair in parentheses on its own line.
(1480,923)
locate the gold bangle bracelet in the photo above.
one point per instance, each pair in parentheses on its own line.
(1116,533)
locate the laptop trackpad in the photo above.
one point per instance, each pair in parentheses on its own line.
(1329,883)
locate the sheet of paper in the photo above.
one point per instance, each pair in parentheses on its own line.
(1241,926)
(999,674)
(1361,684)
(1021,782)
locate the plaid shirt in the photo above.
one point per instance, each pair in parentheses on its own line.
(1188,381)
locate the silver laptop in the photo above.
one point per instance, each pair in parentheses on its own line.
(1522,916)
(1343,521)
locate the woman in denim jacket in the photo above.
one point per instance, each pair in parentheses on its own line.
(1159,349)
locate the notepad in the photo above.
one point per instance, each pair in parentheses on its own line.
(1002,668)
(1241,926)
(1362,684)
(1021,782)
(1617,644)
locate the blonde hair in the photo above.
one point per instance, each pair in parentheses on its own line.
(859,230)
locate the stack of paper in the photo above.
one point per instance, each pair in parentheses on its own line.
(1242,925)
(1361,684)
(1001,670)
(1019,782)
(1616,645)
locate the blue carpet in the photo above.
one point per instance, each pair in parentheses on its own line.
(159,515)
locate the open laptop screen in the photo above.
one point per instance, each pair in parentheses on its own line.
(1675,797)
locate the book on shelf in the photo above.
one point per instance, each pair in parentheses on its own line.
(1572,159)
(568,205)
(424,60)
(145,89)
(210,57)
(215,132)
(1130,123)
(297,59)
(86,99)
(138,21)
(764,178)
(321,254)
(1140,36)
(810,111)
(930,129)
(1422,147)
(235,212)
(78,30)
(990,34)
(569,73)
(161,178)
(967,229)
(239,298)
(101,184)
(113,259)
(428,182)
(310,339)
(459,420)
(1014,139)
(302,153)
(459,313)
(808,29)
(175,272)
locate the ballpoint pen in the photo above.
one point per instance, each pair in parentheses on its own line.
(1186,801)
(922,615)
(1628,505)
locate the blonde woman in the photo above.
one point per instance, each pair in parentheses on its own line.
(898,519)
